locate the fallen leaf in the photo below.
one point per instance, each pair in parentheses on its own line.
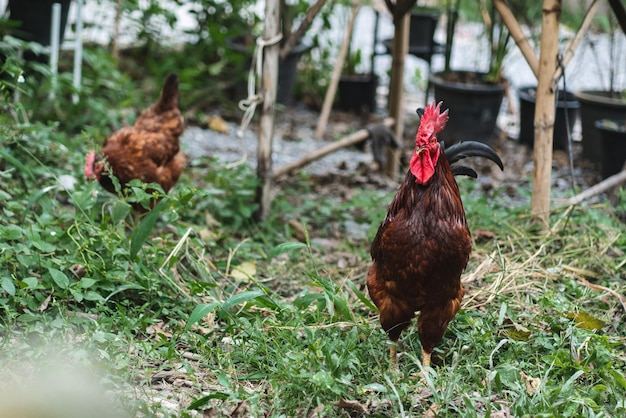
(433,411)
(217,124)
(585,321)
(44,304)
(352,406)
(483,235)
(518,332)
(243,271)
(532,383)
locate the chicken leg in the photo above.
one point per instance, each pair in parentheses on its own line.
(425,358)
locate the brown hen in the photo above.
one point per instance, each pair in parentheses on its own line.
(149,150)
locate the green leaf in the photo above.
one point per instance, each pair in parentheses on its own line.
(11,232)
(361,296)
(6,154)
(342,308)
(86,282)
(59,277)
(286,247)
(201,402)
(7,285)
(119,211)
(142,232)
(44,246)
(94,296)
(200,312)
(30,282)
(241,297)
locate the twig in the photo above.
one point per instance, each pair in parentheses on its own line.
(608,183)
(352,139)
(597,287)
(479,271)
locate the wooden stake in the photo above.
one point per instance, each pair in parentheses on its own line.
(334,81)
(266,121)
(399,51)
(544,113)
(352,139)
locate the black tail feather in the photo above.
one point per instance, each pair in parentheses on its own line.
(461,170)
(466,149)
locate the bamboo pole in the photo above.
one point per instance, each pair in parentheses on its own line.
(334,81)
(544,113)
(518,35)
(399,51)
(266,122)
(575,41)
(352,139)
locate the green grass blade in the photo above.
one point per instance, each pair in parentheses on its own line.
(142,232)
(200,312)
(286,247)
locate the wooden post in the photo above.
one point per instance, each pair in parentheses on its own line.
(269,84)
(399,51)
(544,113)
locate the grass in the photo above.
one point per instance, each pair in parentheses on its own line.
(199,309)
(196,309)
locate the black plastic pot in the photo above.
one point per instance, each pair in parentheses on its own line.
(613,145)
(357,93)
(421,34)
(596,105)
(287,68)
(567,105)
(473,107)
(35,17)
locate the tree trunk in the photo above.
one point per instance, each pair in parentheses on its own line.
(544,113)
(266,122)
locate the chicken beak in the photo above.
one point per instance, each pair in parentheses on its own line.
(420,149)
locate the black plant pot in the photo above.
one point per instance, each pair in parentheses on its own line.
(421,34)
(474,107)
(287,67)
(357,93)
(596,105)
(35,18)
(566,110)
(613,145)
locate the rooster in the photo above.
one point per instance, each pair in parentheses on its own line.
(149,150)
(423,244)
